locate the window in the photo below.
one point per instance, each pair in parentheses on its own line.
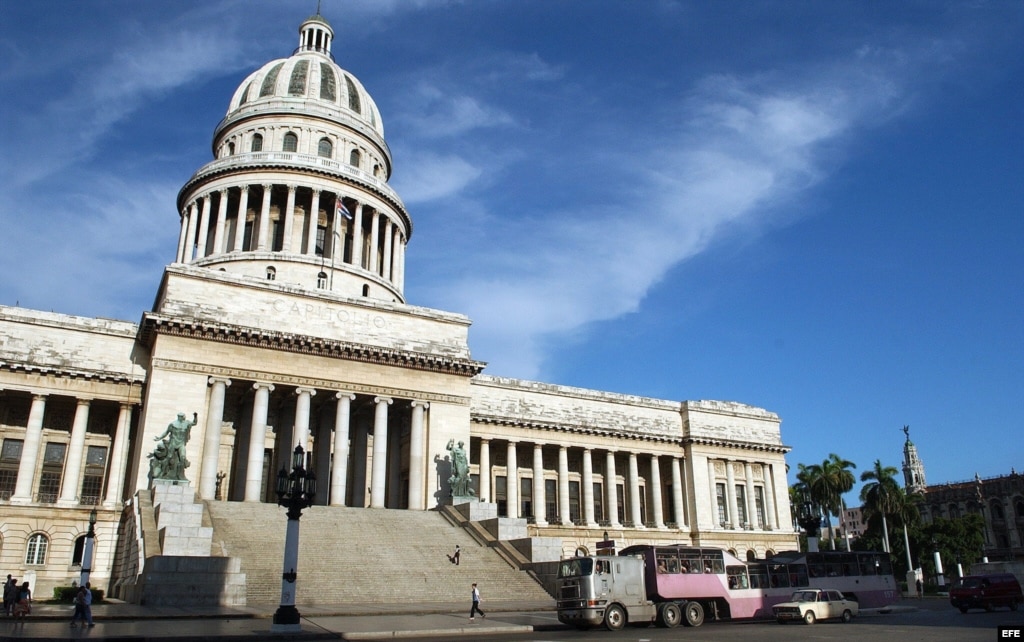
(620,496)
(271,273)
(599,502)
(92,480)
(501,495)
(231,149)
(10,456)
(53,470)
(551,500)
(759,505)
(267,88)
(257,143)
(574,502)
(723,511)
(741,505)
(297,83)
(325,148)
(36,553)
(526,497)
(291,142)
(79,552)
(355,158)
(321,281)
(353,95)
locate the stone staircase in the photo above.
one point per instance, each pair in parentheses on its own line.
(363,555)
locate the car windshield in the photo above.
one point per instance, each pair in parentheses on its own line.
(804,596)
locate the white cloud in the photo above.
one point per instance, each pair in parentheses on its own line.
(429,176)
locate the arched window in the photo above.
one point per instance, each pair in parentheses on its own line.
(231,149)
(36,553)
(366,290)
(271,273)
(751,555)
(325,148)
(997,511)
(354,158)
(321,280)
(1018,508)
(291,142)
(79,552)
(257,143)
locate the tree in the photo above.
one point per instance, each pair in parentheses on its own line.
(826,483)
(878,496)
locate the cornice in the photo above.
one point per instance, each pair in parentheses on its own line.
(153,325)
(93,376)
(496,420)
(306,382)
(741,445)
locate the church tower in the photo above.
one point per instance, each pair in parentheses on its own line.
(913,469)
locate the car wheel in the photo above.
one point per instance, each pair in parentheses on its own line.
(614,618)
(693,614)
(847,616)
(669,615)
(809,617)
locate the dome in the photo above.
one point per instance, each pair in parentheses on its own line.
(309,80)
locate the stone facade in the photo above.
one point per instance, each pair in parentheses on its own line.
(273,348)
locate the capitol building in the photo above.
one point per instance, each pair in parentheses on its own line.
(281,321)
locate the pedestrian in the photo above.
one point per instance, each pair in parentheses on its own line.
(454,557)
(23,606)
(476,604)
(920,593)
(83,606)
(10,594)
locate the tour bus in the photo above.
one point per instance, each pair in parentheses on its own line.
(669,585)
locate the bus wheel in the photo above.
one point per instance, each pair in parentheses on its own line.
(693,614)
(614,618)
(847,617)
(669,615)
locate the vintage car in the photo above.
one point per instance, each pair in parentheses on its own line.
(811,605)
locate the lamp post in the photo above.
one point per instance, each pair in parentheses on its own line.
(810,521)
(90,539)
(295,491)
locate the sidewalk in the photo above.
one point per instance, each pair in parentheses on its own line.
(346,622)
(131,622)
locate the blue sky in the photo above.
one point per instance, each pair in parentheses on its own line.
(811,207)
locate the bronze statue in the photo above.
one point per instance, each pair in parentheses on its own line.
(168,461)
(459,480)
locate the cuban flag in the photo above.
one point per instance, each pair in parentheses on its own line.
(343,211)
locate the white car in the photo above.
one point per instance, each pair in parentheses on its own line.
(811,605)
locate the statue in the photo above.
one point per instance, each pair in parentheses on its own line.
(459,480)
(906,431)
(168,461)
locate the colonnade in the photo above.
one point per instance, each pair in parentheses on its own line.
(71,473)
(220,222)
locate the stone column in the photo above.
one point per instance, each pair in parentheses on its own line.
(339,467)
(204,228)
(243,212)
(357,236)
(634,492)
(655,483)
(76,447)
(485,470)
(610,490)
(769,495)
(512,479)
(388,244)
(182,236)
(400,276)
(588,489)
(118,457)
(748,473)
(211,443)
(417,456)
(314,220)
(713,486)
(378,474)
(264,222)
(30,451)
(300,437)
(564,516)
(222,217)
(190,236)
(677,495)
(257,442)
(374,231)
(289,219)
(539,499)
(730,494)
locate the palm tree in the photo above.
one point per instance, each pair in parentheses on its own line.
(879,495)
(828,482)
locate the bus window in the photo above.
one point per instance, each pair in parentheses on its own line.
(867,563)
(737,577)
(779,575)
(667,561)
(690,562)
(602,567)
(798,575)
(758,575)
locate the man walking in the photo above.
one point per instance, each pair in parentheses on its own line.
(476,604)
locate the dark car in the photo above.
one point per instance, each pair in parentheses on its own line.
(986,592)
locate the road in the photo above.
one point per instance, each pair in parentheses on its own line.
(935,621)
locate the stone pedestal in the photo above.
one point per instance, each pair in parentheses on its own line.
(179,520)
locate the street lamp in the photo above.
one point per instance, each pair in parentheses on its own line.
(90,539)
(810,521)
(295,491)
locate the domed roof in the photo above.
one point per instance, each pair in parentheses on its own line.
(307,80)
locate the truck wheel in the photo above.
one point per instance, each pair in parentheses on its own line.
(669,615)
(809,617)
(847,617)
(693,614)
(614,618)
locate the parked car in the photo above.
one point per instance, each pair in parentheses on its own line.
(986,592)
(811,605)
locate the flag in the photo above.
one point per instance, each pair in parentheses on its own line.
(343,211)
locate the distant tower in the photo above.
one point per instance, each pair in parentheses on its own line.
(913,469)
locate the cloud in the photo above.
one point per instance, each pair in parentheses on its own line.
(428,176)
